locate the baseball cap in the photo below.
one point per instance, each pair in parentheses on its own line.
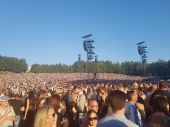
(4,98)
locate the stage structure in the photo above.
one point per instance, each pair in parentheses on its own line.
(88,46)
(143,53)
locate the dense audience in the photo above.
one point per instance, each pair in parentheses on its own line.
(82,100)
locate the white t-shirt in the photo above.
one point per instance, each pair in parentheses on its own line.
(7,123)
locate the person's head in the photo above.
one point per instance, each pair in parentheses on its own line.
(126,88)
(76,90)
(163,84)
(120,87)
(4,101)
(41,103)
(93,105)
(102,91)
(141,93)
(65,90)
(132,95)
(59,91)
(117,100)
(17,96)
(89,90)
(32,95)
(23,92)
(53,102)
(161,104)
(92,118)
(154,87)
(134,85)
(45,116)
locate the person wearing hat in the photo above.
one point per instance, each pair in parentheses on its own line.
(7,115)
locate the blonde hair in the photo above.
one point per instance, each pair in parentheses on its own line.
(41,116)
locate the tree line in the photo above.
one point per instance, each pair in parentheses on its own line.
(160,67)
(13,64)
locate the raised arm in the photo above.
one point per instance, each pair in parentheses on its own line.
(26,108)
(8,115)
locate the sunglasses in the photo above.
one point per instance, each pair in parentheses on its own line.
(94,118)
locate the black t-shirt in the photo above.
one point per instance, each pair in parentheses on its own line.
(16,104)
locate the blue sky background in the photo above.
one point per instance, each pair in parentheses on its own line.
(50,31)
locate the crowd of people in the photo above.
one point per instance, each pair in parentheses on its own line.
(82,100)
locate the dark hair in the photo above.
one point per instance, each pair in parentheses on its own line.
(130,94)
(32,95)
(160,104)
(53,102)
(89,113)
(163,84)
(119,86)
(103,88)
(57,97)
(117,100)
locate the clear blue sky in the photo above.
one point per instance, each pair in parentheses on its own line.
(50,31)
